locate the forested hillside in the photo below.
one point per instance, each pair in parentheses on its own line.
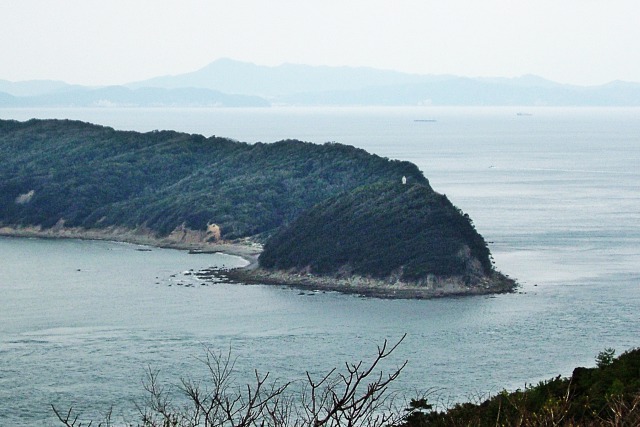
(57,172)
(380,230)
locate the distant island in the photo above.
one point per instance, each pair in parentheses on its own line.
(329,216)
(230,83)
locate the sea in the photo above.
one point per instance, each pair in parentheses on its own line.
(554,191)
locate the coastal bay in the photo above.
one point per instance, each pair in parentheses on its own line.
(555,195)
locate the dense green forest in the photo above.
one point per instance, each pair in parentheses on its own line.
(93,177)
(378,230)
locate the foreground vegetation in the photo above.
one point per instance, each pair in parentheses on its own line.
(361,395)
(606,395)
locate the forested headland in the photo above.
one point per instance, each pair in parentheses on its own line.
(327,209)
(400,240)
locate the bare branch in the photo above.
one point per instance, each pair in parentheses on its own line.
(344,402)
(359,396)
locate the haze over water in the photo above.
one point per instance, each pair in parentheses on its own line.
(556,193)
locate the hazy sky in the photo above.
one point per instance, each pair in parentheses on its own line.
(117,41)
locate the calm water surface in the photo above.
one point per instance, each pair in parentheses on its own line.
(556,193)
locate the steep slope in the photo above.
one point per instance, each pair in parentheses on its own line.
(385,230)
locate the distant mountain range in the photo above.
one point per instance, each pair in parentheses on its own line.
(229,83)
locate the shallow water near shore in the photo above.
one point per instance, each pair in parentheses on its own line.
(557,195)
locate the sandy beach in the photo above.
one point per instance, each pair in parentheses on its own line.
(183,240)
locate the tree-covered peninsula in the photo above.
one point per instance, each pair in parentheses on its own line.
(389,239)
(330,210)
(382,228)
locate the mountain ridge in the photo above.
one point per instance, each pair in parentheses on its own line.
(225,82)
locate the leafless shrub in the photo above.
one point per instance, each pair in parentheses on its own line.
(622,412)
(357,396)
(69,419)
(349,399)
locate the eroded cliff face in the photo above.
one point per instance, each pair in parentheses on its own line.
(189,237)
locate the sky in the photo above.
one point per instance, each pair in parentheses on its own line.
(106,42)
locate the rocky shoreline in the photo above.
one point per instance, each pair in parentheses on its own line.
(195,242)
(182,239)
(438,287)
